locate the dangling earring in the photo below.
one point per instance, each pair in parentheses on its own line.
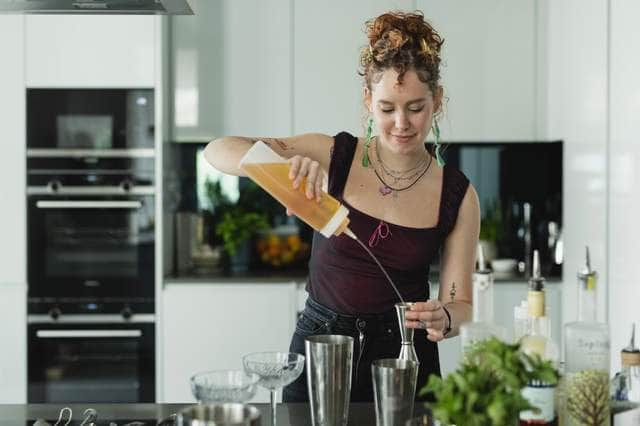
(367,142)
(436,141)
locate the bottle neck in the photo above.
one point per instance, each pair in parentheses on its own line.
(586,300)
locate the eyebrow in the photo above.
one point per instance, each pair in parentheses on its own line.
(413,101)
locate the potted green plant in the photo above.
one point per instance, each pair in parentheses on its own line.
(491,229)
(486,390)
(236,228)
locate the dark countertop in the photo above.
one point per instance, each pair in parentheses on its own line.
(294,414)
(300,276)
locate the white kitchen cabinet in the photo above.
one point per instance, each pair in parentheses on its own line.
(489,68)
(13,335)
(90,50)
(211,326)
(231,69)
(327,89)
(13,226)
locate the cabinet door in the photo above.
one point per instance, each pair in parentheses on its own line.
(489,68)
(328,36)
(13,335)
(211,327)
(231,69)
(90,50)
(12,161)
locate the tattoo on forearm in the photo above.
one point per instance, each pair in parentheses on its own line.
(452,292)
(283,146)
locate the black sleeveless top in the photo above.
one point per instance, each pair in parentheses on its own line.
(344,278)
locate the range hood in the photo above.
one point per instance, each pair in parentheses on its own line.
(101,7)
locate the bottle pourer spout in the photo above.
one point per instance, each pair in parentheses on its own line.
(536,283)
(350,233)
(632,343)
(482,263)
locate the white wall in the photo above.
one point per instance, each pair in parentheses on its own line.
(624,173)
(577,113)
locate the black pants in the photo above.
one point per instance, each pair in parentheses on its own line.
(375,336)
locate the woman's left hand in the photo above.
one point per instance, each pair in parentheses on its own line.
(429,315)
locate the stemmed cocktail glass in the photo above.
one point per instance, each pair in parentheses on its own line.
(276,370)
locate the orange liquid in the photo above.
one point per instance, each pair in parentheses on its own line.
(274,178)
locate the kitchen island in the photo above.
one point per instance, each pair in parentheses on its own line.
(289,414)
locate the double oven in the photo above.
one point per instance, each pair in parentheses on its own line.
(91,245)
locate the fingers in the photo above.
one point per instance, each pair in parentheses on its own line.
(434,330)
(307,171)
(430,310)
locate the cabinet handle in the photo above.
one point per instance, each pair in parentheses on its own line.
(72,334)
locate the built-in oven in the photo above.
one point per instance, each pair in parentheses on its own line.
(91,220)
(91,235)
(91,358)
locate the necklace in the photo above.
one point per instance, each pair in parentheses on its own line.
(399,175)
(386,189)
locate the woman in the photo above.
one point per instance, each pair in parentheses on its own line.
(403,201)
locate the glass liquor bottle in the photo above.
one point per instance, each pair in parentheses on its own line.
(482,326)
(586,390)
(538,341)
(625,386)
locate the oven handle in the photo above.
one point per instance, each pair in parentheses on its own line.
(72,334)
(88,204)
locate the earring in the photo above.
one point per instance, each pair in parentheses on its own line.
(436,141)
(367,142)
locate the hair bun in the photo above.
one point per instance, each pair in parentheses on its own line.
(401,41)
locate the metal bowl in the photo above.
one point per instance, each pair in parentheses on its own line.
(229,414)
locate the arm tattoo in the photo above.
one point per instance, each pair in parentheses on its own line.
(452,292)
(283,146)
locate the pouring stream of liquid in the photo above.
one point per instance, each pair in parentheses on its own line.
(350,233)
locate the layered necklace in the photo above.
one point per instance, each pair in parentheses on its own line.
(395,181)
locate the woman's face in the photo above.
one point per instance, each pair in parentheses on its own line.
(402,113)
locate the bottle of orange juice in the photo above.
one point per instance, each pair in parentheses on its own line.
(269,170)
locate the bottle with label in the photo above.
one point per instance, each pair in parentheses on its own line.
(538,341)
(586,390)
(482,326)
(625,386)
(269,170)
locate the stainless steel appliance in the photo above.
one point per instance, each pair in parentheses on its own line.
(91,358)
(91,246)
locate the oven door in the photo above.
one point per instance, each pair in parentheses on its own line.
(98,361)
(91,247)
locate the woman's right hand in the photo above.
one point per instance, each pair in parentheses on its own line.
(305,167)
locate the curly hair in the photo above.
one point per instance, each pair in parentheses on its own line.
(401,41)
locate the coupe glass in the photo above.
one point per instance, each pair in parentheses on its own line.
(223,386)
(276,370)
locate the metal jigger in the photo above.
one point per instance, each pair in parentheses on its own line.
(407,351)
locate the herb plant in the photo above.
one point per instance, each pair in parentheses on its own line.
(486,389)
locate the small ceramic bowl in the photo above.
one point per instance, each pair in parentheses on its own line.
(504,266)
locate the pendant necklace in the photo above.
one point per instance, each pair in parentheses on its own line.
(386,189)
